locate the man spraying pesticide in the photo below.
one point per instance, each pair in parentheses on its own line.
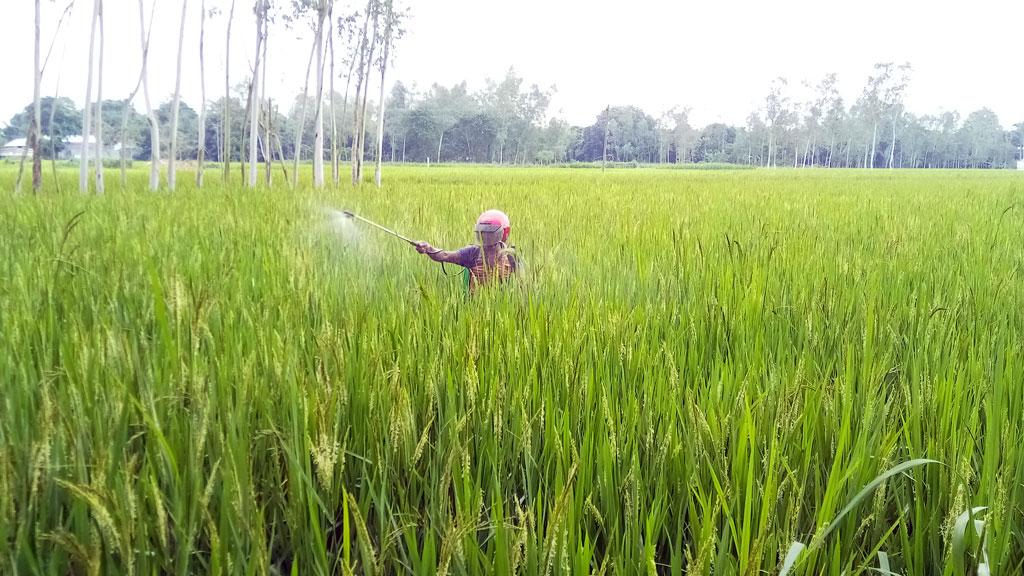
(491,261)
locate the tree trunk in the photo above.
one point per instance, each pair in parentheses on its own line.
(125,108)
(604,146)
(242,141)
(154,127)
(254,112)
(268,142)
(280,156)
(226,119)
(83,164)
(99,109)
(439,142)
(380,113)
(37,114)
(348,84)
(53,138)
(892,147)
(318,134)
(335,174)
(361,73)
(297,152)
(267,122)
(201,150)
(172,177)
(366,93)
(874,139)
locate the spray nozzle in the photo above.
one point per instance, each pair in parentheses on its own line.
(353,216)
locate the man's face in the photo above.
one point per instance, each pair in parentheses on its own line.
(489,238)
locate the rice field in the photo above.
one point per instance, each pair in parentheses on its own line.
(709,372)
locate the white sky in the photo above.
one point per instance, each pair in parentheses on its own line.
(716,56)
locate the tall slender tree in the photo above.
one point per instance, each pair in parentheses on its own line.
(362,70)
(171,171)
(893,100)
(83,164)
(367,48)
(323,8)
(334,107)
(201,130)
(254,112)
(300,126)
(347,29)
(99,108)
(154,126)
(268,115)
(37,113)
(225,125)
(375,8)
(34,135)
(392,31)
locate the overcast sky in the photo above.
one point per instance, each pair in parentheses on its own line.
(716,56)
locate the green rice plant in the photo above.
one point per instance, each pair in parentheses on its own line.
(696,370)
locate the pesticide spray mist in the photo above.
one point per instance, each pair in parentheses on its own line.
(343,226)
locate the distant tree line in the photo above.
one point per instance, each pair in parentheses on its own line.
(245,124)
(507,122)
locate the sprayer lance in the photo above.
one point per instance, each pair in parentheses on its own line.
(374,224)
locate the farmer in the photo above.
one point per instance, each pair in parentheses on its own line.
(492,259)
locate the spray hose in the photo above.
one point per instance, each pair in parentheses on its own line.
(354,216)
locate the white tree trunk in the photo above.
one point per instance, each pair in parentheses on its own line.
(201,150)
(225,129)
(361,74)
(335,176)
(874,138)
(154,127)
(99,109)
(37,114)
(83,164)
(366,90)
(171,172)
(318,134)
(268,158)
(348,85)
(892,147)
(254,110)
(380,114)
(299,128)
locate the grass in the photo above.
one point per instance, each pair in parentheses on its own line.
(697,370)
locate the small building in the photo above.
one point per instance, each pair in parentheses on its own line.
(73,147)
(15,148)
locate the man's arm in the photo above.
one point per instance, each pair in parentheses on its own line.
(439,255)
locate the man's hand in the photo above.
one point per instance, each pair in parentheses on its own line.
(423,247)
